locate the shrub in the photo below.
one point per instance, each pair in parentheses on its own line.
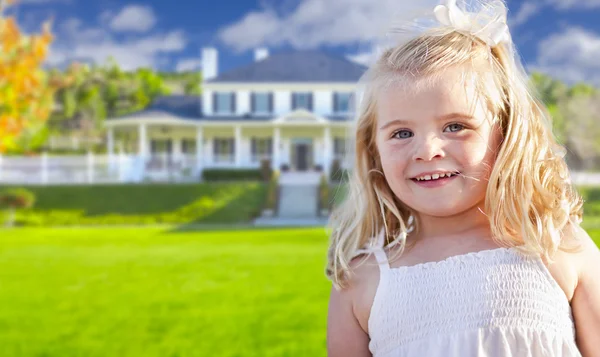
(232,175)
(214,202)
(338,174)
(265,170)
(14,199)
(324,192)
(272,192)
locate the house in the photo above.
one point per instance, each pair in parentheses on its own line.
(292,108)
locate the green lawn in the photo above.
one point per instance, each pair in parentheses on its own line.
(163,292)
(152,292)
(211,202)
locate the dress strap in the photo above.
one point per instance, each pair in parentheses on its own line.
(379,252)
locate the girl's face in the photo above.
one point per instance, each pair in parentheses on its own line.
(437,147)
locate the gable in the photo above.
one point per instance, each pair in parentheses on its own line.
(300,116)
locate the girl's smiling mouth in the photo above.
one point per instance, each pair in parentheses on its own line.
(434,178)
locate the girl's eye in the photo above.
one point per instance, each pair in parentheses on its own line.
(454,127)
(403,134)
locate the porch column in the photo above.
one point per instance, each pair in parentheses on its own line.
(176,154)
(276,151)
(110,143)
(199,147)
(327,150)
(142,151)
(143,147)
(238,146)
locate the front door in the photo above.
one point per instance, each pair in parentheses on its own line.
(301,157)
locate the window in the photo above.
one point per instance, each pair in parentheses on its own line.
(188,146)
(302,100)
(224,103)
(341,102)
(158,146)
(261,148)
(262,103)
(339,148)
(223,149)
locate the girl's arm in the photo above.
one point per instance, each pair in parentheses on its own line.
(345,337)
(586,298)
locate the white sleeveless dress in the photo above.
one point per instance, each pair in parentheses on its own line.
(492,303)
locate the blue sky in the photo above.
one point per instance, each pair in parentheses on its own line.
(559,37)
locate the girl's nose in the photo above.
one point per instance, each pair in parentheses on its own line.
(427,149)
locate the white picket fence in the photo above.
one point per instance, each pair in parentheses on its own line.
(130,168)
(96,169)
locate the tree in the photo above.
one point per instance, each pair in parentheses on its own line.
(192,85)
(582,127)
(26,90)
(552,92)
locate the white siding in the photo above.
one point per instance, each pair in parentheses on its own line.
(323,102)
(285,152)
(283,102)
(243,102)
(318,148)
(207,102)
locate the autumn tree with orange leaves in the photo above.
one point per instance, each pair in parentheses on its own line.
(26,91)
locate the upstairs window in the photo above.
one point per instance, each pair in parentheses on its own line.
(302,101)
(341,102)
(224,103)
(262,103)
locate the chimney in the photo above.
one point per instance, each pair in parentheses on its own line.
(260,54)
(210,63)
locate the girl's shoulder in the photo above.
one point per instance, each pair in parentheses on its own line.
(362,286)
(572,259)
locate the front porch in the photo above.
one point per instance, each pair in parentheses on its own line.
(168,150)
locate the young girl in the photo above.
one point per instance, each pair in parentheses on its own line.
(460,235)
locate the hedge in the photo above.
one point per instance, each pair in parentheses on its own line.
(144,204)
(232,175)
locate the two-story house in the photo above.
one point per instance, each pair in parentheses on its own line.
(293,108)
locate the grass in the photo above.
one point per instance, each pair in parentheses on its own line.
(145,204)
(164,292)
(156,292)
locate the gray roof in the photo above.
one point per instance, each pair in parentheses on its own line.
(183,106)
(297,66)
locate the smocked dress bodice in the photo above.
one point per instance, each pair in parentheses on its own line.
(494,303)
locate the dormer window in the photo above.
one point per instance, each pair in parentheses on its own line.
(262,103)
(224,103)
(302,101)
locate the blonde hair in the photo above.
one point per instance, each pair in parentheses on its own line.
(529,197)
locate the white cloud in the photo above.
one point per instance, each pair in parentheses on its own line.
(525,12)
(130,54)
(41,1)
(571,55)
(570,4)
(98,44)
(314,23)
(133,18)
(188,64)
(363,58)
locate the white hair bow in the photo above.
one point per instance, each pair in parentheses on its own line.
(492,33)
